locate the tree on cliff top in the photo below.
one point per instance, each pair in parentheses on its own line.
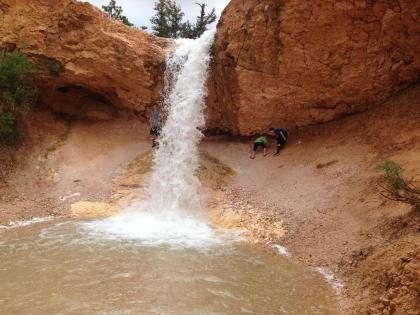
(167,21)
(116,12)
(175,17)
(203,19)
(160,23)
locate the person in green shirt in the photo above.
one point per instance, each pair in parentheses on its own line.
(260,142)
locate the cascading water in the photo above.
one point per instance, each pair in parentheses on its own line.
(174,185)
(171,214)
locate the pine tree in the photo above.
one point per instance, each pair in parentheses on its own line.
(159,21)
(175,16)
(203,20)
(187,30)
(116,12)
(167,22)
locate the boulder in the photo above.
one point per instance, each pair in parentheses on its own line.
(293,63)
(88,61)
(93,210)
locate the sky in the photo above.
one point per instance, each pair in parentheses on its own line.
(139,12)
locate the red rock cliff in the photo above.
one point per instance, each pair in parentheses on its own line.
(293,62)
(104,61)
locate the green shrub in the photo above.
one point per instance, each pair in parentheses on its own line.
(9,133)
(53,66)
(17,89)
(396,187)
(17,93)
(391,176)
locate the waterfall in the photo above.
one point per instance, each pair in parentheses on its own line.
(174,184)
(170,215)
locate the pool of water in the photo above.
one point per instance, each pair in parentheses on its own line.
(64,268)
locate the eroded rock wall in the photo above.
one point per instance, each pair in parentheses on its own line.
(96,61)
(294,63)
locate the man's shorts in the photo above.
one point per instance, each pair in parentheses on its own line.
(280,141)
(258,145)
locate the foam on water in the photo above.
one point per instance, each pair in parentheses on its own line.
(171,214)
(15,224)
(153,229)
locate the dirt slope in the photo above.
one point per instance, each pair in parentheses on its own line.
(63,162)
(323,185)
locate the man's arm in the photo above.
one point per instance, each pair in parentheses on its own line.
(283,136)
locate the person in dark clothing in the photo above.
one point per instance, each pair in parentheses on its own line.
(155,126)
(281,138)
(154,134)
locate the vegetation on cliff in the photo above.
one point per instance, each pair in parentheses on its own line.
(17,93)
(396,187)
(116,12)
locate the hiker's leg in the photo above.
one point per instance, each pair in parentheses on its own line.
(280,145)
(265,150)
(253,150)
(154,142)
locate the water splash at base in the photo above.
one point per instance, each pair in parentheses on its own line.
(154,229)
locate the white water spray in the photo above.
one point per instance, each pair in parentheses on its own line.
(169,216)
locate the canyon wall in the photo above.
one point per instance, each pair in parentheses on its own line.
(293,63)
(87,61)
(276,62)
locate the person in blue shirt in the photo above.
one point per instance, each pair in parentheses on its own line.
(281,138)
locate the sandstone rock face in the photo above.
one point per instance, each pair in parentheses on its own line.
(294,63)
(95,61)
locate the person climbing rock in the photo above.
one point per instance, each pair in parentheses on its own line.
(260,142)
(155,126)
(281,138)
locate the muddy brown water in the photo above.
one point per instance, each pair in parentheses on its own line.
(59,268)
